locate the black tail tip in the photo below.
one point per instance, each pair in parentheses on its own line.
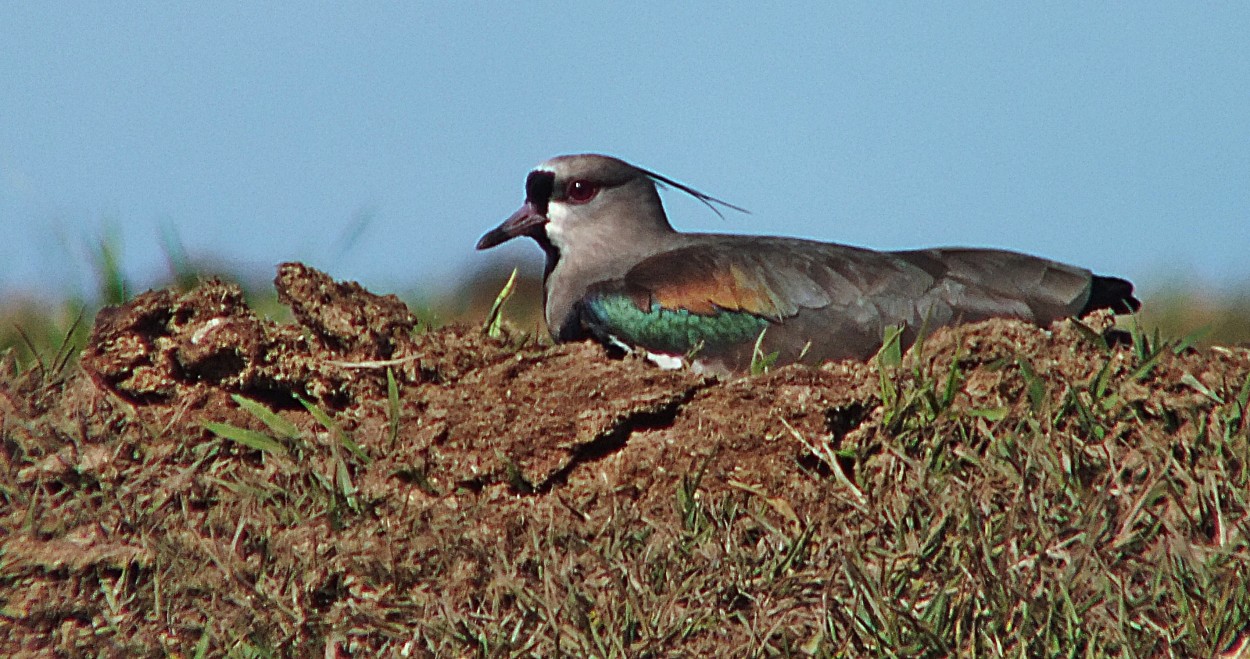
(1111,293)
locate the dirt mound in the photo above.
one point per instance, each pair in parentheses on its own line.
(353,484)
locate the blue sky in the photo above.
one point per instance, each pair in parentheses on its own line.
(1110,135)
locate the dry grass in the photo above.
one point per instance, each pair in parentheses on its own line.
(1002,492)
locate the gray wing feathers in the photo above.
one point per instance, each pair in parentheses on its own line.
(823,290)
(830,301)
(980,283)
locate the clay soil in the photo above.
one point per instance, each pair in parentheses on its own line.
(204,481)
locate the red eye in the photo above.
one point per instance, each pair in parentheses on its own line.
(580,191)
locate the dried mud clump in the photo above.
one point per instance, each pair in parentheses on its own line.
(163,346)
(354,485)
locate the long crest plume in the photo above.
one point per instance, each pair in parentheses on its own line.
(707,199)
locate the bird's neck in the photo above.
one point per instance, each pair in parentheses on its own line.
(574,263)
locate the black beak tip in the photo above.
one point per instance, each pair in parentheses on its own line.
(491,239)
(525,222)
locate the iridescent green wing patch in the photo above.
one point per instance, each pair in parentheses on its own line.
(674,331)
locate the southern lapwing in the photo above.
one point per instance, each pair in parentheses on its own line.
(618,272)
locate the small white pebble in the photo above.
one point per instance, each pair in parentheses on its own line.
(203,331)
(666,362)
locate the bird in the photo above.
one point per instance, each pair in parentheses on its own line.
(618,272)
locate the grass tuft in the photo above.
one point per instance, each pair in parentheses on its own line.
(494,320)
(760,362)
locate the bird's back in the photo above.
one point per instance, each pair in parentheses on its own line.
(821,301)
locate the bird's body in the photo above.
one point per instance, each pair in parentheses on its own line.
(618,272)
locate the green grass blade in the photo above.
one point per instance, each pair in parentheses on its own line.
(494,321)
(280,426)
(69,347)
(888,358)
(318,414)
(329,424)
(891,352)
(990,413)
(1147,365)
(1235,416)
(954,378)
(248,438)
(201,648)
(35,353)
(112,281)
(1093,337)
(1036,386)
(180,265)
(1192,382)
(1191,339)
(760,362)
(392,405)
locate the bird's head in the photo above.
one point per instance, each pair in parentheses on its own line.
(588,195)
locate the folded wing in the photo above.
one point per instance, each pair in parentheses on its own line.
(823,301)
